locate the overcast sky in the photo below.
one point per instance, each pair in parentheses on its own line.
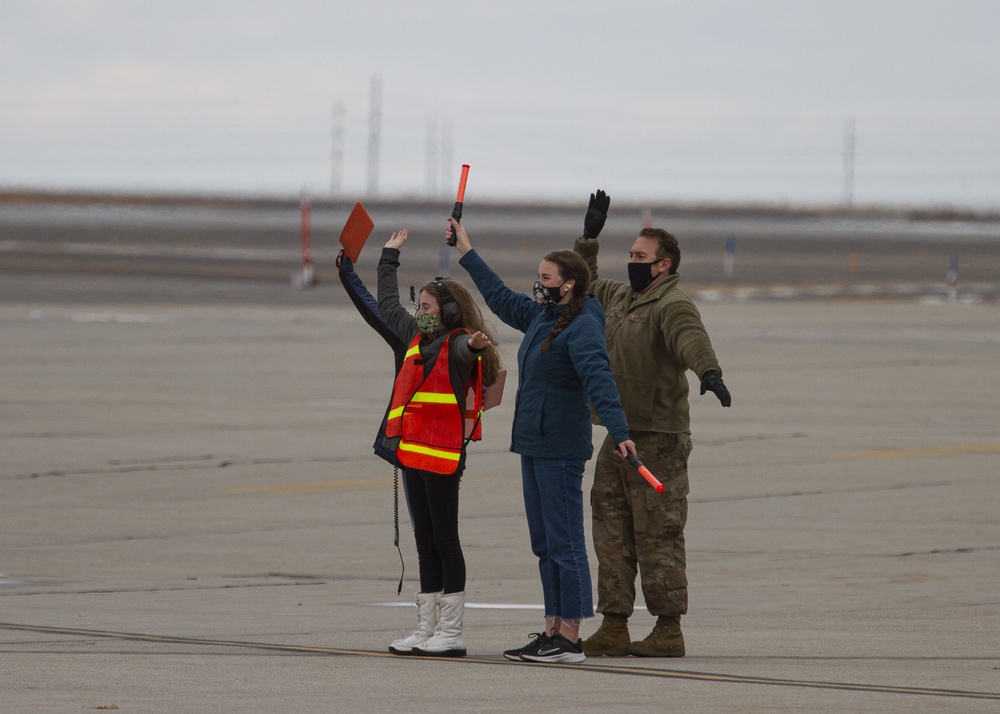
(729,100)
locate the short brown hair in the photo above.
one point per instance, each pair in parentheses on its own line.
(668,246)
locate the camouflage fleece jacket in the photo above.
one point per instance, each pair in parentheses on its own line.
(653,339)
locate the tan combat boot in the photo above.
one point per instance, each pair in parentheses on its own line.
(611,639)
(665,640)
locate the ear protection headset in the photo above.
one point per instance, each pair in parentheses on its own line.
(449,307)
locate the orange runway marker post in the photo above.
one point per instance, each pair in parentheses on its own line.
(307,277)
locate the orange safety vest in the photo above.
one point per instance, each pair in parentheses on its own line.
(426,415)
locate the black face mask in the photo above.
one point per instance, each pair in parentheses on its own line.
(547,296)
(640,275)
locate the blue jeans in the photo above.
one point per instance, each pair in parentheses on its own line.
(553,503)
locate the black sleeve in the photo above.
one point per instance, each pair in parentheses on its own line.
(366,304)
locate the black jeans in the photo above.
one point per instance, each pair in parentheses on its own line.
(432,500)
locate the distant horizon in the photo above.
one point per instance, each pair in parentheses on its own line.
(928,211)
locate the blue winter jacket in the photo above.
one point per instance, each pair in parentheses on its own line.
(551,410)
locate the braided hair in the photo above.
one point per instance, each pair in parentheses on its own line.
(571,267)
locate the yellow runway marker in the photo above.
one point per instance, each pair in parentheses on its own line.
(500,661)
(932,452)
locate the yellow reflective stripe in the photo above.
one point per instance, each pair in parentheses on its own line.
(434,397)
(415,350)
(427,451)
(425,398)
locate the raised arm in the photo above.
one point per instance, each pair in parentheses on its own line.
(514,309)
(367,306)
(587,247)
(398,318)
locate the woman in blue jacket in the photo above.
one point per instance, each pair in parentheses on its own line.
(562,367)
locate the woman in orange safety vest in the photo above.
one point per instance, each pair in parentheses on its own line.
(434,412)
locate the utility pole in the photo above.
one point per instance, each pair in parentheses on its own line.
(374,134)
(432,156)
(337,150)
(446,154)
(849,163)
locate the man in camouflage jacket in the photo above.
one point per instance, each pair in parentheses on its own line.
(654,335)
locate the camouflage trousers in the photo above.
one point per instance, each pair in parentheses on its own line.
(637,530)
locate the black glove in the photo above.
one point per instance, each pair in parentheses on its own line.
(711,381)
(597,213)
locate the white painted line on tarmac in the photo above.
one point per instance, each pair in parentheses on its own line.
(476,605)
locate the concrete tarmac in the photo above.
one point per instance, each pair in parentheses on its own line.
(193,519)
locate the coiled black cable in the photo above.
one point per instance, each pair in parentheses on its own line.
(395,519)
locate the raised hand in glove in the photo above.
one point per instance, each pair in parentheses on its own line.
(597,213)
(711,381)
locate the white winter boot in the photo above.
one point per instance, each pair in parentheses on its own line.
(427,617)
(447,639)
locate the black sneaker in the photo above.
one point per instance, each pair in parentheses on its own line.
(556,649)
(515,655)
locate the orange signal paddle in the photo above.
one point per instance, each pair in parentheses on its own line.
(356,231)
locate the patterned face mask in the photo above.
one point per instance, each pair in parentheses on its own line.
(428,324)
(547,296)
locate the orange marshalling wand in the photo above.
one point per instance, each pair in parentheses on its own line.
(456,212)
(646,473)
